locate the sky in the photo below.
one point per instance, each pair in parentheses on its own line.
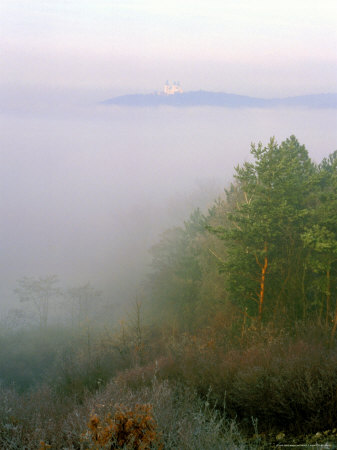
(252,47)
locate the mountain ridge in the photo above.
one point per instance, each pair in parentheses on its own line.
(222,99)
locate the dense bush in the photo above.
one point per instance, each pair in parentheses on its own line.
(287,383)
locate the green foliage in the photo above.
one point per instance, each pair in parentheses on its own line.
(272,224)
(320,239)
(176,271)
(273,240)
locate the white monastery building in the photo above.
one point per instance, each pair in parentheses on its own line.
(171,89)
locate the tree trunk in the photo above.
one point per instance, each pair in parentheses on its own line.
(328,295)
(262,283)
(333,331)
(304,297)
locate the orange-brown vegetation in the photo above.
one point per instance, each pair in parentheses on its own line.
(134,428)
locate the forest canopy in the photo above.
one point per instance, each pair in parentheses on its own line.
(266,252)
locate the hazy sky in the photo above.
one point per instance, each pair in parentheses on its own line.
(257,47)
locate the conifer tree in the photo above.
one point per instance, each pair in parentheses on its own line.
(263,239)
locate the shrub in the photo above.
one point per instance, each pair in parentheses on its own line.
(286,382)
(135,428)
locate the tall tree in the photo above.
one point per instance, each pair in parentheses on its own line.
(320,238)
(175,278)
(263,238)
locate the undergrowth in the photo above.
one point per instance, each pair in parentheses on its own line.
(192,391)
(161,415)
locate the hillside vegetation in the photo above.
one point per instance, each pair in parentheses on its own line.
(231,343)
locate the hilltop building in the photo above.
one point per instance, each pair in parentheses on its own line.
(171,89)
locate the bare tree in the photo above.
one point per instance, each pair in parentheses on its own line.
(137,330)
(40,292)
(83,302)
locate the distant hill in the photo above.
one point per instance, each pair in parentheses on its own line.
(205,98)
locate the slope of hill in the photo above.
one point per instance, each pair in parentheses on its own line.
(221,99)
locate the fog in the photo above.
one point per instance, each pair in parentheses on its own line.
(86,189)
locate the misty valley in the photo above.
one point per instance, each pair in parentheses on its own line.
(148,307)
(168,224)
